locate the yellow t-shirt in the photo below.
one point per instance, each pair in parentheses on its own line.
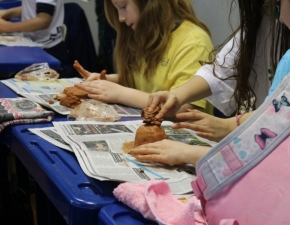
(188,45)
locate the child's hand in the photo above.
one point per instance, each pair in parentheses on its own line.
(102,90)
(169,152)
(168,101)
(205,125)
(87,75)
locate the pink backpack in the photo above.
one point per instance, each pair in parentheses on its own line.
(246,177)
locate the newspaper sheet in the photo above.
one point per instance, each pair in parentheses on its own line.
(98,147)
(50,134)
(44,92)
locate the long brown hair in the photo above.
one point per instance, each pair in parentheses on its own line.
(146,45)
(251,15)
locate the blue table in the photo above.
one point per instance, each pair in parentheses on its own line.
(16,58)
(9,4)
(77,198)
(62,186)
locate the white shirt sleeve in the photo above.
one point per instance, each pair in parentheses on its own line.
(222,90)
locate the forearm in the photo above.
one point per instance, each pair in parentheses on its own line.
(11,13)
(138,99)
(195,89)
(133,98)
(233,121)
(245,116)
(193,153)
(42,21)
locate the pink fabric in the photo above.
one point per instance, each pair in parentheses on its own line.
(198,186)
(154,200)
(260,197)
(228,222)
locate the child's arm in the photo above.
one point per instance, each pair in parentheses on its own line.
(194,89)
(208,126)
(40,22)
(107,91)
(111,92)
(11,13)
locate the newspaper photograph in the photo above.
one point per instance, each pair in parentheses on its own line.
(50,134)
(99,149)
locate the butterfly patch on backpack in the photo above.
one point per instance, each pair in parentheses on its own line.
(262,138)
(277,104)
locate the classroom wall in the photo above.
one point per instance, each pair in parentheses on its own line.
(215,14)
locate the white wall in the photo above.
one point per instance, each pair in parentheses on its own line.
(215,14)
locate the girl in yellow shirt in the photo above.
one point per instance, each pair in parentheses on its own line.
(159,46)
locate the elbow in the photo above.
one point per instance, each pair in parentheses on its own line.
(45,25)
(44,20)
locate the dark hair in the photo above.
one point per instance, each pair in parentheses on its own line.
(251,16)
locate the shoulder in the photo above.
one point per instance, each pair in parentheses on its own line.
(282,70)
(191,33)
(284,63)
(286,56)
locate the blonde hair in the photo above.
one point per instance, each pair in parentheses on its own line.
(146,45)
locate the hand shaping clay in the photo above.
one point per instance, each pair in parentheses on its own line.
(72,97)
(151,131)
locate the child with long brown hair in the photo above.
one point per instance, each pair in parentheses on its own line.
(159,46)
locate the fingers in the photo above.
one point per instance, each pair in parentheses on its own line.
(153,102)
(166,100)
(88,87)
(208,136)
(151,158)
(151,154)
(94,76)
(99,97)
(97,76)
(201,130)
(95,92)
(192,126)
(191,115)
(164,109)
(151,148)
